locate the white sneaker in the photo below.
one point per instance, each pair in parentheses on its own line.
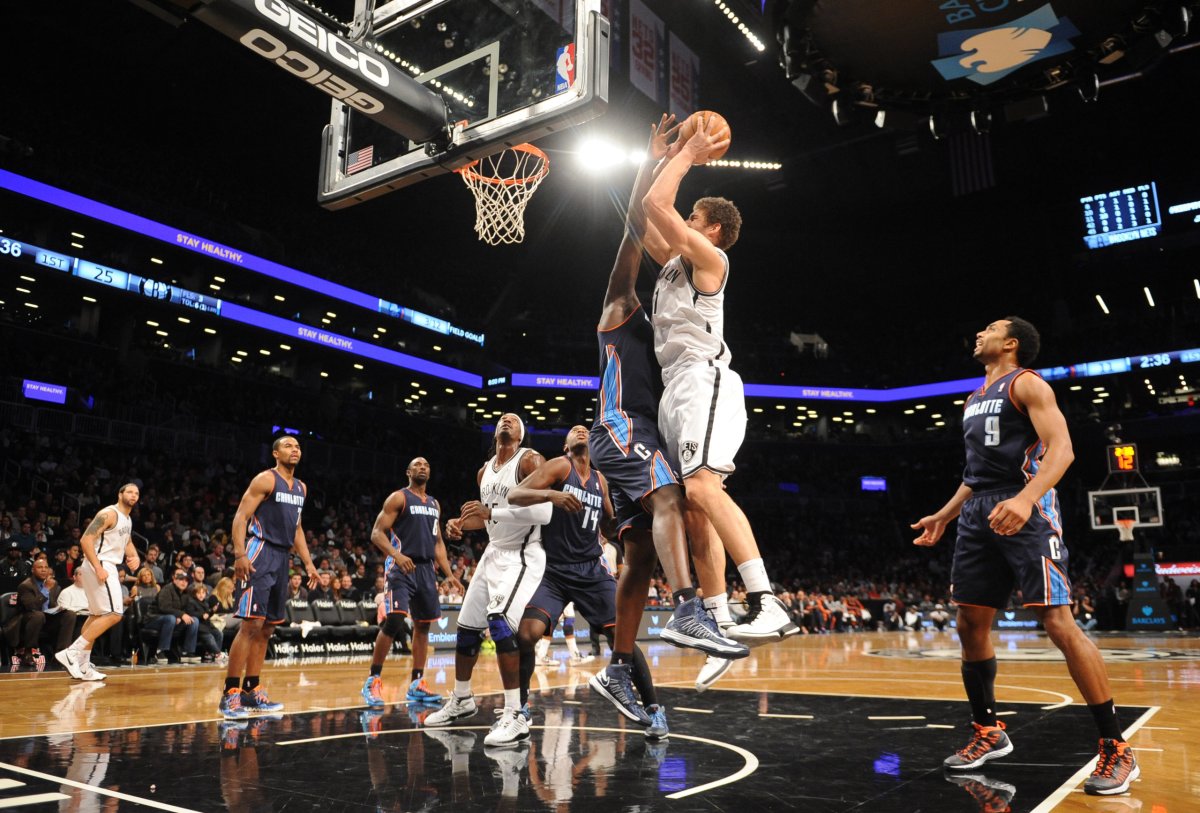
(71,661)
(511,727)
(579,660)
(711,671)
(766,622)
(509,762)
(456,708)
(547,661)
(90,673)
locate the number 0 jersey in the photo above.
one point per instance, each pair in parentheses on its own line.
(1003,448)
(416,527)
(574,536)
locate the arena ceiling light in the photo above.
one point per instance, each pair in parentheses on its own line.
(1196,285)
(1149,296)
(596,155)
(1100,302)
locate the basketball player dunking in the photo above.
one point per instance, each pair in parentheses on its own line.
(702,413)
(270,514)
(507,574)
(407,531)
(626,446)
(576,570)
(105,542)
(1009,534)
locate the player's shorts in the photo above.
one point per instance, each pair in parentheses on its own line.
(988,566)
(632,458)
(104,598)
(590,586)
(702,414)
(504,582)
(264,594)
(414,594)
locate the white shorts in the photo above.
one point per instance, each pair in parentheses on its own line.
(103,598)
(504,582)
(702,417)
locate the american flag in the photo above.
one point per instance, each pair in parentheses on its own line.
(360,160)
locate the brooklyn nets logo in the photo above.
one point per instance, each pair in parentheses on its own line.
(689,449)
(1034,653)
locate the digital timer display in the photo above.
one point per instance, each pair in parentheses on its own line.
(1123,458)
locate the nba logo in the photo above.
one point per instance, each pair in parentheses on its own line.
(564,72)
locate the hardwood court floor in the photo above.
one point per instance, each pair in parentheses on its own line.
(819,723)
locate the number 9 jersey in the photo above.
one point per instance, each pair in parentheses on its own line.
(1003,448)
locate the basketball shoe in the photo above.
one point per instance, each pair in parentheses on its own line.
(615,684)
(511,728)
(372,691)
(691,626)
(987,743)
(657,730)
(72,661)
(456,708)
(372,722)
(767,621)
(1116,768)
(711,671)
(509,762)
(231,707)
(256,700)
(992,795)
(418,692)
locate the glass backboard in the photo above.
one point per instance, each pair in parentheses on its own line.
(1142,505)
(509,71)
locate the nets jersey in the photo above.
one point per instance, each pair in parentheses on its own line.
(275,521)
(689,325)
(1003,448)
(110,548)
(574,536)
(493,492)
(416,527)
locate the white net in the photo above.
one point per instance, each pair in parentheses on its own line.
(502,185)
(1125,529)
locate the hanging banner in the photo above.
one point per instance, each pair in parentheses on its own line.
(685,80)
(647,52)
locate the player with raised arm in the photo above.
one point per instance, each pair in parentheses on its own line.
(1010,535)
(269,514)
(105,542)
(408,532)
(505,578)
(576,570)
(626,446)
(702,413)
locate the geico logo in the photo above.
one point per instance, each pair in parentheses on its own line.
(297,64)
(308,30)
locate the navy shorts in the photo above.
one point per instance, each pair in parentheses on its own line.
(414,594)
(634,460)
(264,594)
(591,585)
(988,566)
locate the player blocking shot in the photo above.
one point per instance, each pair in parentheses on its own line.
(407,531)
(266,529)
(576,570)
(105,542)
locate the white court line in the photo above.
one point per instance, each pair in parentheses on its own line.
(1158,728)
(1065,699)
(897,717)
(9,784)
(92,788)
(1139,749)
(692,711)
(786,716)
(1065,788)
(750,759)
(35,799)
(573,702)
(939,725)
(1005,713)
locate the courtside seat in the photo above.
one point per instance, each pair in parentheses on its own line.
(297,611)
(333,624)
(8,608)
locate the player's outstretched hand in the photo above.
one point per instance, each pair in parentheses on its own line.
(931,528)
(314,578)
(454,529)
(242,568)
(475,510)
(704,142)
(660,134)
(1010,516)
(565,501)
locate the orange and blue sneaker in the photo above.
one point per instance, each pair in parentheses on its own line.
(1116,768)
(987,743)
(231,733)
(231,707)
(372,691)
(256,700)
(418,692)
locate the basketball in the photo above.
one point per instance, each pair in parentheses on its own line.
(700,119)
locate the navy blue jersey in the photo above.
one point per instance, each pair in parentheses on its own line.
(630,381)
(416,527)
(575,536)
(275,521)
(1003,448)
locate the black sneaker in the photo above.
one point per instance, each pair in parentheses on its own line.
(615,684)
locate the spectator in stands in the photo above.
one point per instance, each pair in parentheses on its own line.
(221,603)
(73,598)
(145,586)
(38,614)
(324,589)
(152,554)
(362,580)
(1084,610)
(6,529)
(345,590)
(74,560)
(25,537)
(170,605)
(296,588)
(939,616)
(209,636)
(216,552)
(59,565)
(198,575)
(380,587)
(14,570)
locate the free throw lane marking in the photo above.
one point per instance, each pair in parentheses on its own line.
(35,799)
(692,711)
(8,784)
(58,780)
(898,717)
(786,716)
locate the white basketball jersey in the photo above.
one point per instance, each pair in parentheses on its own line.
(493,492)
(689,326)
(111,546)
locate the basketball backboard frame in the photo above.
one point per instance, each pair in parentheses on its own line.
(1142,505)
(498,127)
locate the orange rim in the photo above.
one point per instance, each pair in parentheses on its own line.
(469,172)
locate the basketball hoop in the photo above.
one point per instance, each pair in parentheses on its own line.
(502,184)
(1125,529)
